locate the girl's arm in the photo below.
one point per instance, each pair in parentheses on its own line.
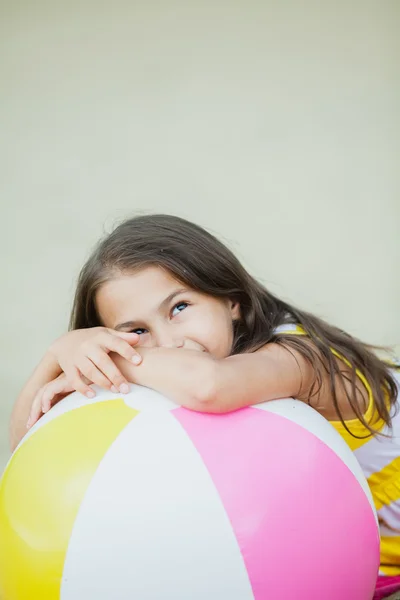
(197,381)
(271,373)
(72,354)
(185,376)
(47,370)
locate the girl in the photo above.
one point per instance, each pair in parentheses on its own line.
(164,304)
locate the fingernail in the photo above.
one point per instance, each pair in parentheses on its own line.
(136,359)
(124,388)
(90,394)
(114,389)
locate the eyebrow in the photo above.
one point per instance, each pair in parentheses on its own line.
(162,306)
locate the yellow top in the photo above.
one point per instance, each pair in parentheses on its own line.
(379,457)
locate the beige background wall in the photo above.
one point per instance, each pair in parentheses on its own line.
(274,124)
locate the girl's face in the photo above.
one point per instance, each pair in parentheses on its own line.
(165,312)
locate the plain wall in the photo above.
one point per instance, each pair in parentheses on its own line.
(273,124)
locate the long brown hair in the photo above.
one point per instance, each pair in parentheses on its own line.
(198,259)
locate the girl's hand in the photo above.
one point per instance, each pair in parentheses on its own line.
(47,396)
(83,355)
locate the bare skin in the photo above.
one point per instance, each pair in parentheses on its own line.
(181,341)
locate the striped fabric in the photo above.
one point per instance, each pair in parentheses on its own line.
(379,457)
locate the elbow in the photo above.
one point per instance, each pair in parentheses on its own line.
(203,396)
(203,400)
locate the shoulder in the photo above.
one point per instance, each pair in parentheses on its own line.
(292,363)
(321,382)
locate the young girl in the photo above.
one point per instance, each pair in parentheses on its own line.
(164,304)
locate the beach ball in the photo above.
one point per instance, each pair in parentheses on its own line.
(136,498)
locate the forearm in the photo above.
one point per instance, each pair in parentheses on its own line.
(246,379)
(184,376)
(47,370)
(197,381)
(271,373)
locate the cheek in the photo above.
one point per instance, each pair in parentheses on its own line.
(146,341)
(216,334)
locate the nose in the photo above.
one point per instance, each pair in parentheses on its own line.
(166,339)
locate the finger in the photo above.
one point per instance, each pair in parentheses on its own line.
(79,383)
(112,342)
(121,347)
(111,371)
(130,336)
(92,369)
(36,409)
(54,388)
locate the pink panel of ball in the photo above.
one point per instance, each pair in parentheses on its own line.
(302,521)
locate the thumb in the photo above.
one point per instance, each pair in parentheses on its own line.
(60,385)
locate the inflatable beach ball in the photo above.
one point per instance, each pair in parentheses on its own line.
(135,498)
